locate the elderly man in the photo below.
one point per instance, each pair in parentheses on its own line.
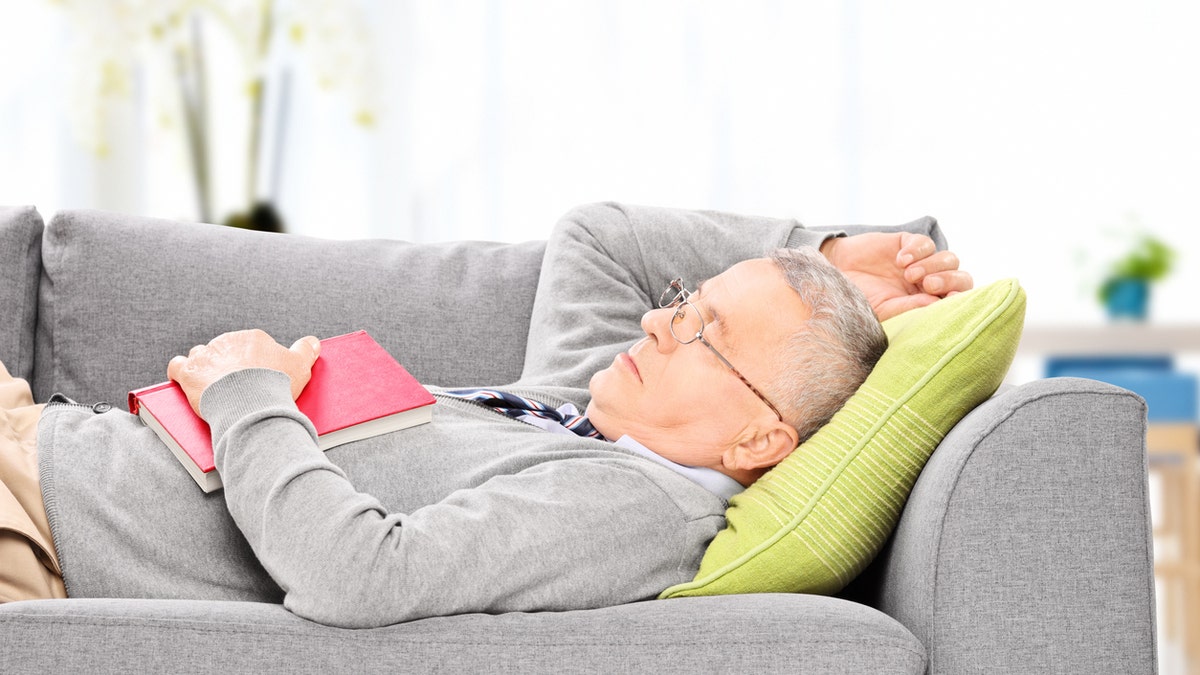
(510,500)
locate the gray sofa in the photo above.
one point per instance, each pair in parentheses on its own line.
(1025,546)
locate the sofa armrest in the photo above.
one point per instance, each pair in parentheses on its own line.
(1026,542)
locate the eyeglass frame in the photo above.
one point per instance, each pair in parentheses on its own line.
(682,300)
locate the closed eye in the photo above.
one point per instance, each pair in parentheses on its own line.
(713,316)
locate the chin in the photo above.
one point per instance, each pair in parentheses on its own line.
(600,419)
(601,385)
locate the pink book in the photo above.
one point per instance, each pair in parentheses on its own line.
(357,391)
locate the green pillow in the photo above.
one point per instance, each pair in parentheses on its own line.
(816,520)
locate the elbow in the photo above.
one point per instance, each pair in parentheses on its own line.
(330,611)
(582,219)
(347,606)
(349,590)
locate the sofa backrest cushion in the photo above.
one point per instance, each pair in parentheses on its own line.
(120,295)
(20,267)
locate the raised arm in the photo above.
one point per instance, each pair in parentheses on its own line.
(606,265)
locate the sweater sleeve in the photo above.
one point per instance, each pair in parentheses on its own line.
(560,535)
(607,264)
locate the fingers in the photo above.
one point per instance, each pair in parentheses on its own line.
(308,347)
(240,350)
(913,248)
(920,257)
(947,283)
(246,349)
(933,263)
(177,370)
(938,274)
(175,367)
(940,283)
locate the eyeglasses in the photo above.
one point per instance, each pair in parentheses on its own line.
(689,322)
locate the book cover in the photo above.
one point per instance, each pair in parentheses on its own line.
(357,390)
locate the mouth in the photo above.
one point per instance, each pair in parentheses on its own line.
(626,360)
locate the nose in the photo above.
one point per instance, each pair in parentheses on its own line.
(657,324)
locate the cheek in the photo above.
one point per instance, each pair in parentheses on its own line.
(684,399)
(681,393)
(688,385)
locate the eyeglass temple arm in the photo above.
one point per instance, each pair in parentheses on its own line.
(700,337)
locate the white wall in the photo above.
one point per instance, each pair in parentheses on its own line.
(1026,127)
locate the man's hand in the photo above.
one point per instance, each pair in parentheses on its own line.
(228,353)
(897,271)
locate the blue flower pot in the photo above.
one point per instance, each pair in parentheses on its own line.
(1127,299)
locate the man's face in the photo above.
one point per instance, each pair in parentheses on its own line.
(680,400)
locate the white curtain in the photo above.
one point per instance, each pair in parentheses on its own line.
(1028,128)
(509,113)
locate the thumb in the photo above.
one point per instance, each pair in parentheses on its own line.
(309,347)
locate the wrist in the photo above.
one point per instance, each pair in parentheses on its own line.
(242,391)
(827,248)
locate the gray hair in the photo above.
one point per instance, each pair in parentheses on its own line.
(826,361)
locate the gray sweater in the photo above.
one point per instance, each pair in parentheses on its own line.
(475,512)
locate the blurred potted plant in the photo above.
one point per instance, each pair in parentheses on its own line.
(125,41)
(1125,289)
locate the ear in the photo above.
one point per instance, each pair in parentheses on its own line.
(764,449)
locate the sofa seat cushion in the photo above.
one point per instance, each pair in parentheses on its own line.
(763,633)
(816,520)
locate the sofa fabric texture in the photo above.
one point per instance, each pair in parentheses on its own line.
(20,264)
(1000,484)
(110,284)
(1024,546)
(764,633)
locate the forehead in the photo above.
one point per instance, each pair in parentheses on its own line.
(753,298)
(748,275)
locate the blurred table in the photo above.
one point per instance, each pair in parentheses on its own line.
(1172,454)
(1110,338)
